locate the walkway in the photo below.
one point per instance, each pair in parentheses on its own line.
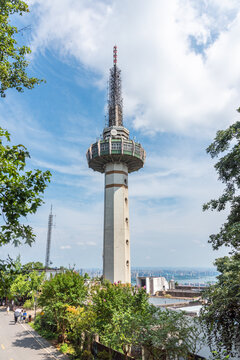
(21,342)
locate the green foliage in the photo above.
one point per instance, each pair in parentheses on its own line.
(228,169)
(64,348)
(221,313)
(79,320)
(29,304)
(20,192)
(13,63)
(86,355)
(30,266)
(60,292)
(44,325)
(219,355)
(27,285)
(119,314)
(170,334)
(104,355)
(119,311)
(9,270)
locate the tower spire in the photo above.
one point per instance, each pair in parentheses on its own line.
(115,55)
(115,106)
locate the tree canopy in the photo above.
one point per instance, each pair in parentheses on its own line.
(30,266)
(228,169)
(119,313)
(20,192)
(27,285)
(62,290)
(13,58)
(221,315)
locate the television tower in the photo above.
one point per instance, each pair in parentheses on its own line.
(116,156)
(49,235)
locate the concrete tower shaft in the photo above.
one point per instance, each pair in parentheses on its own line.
(116,155)
(116,248)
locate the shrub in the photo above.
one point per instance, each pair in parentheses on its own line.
(168,296)
(64,348)
(43,328)
(87,355)
(104,355)
(29,304)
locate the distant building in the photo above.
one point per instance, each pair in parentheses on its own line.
(50,272)
(172,284)
(153,284)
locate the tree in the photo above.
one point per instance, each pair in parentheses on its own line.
(168,334)
(221,315)
(80,326)
(20,192)
(124,317)
(119,310)
(60,292)
(13,63)
(9,270)
(27,285)
(30,266)
(228,169)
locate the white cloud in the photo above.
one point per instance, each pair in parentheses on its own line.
(167,85)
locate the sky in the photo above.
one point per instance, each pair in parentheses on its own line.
(181,80)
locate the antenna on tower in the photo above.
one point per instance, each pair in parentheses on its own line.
(115,103)
(49,235)
(115,55)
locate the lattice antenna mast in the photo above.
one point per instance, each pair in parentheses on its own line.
(49,235)
(115,103)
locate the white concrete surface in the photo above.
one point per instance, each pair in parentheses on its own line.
(116,247)
(153,283)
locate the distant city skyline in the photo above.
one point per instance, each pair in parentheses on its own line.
(180,86)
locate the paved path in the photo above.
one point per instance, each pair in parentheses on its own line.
(21,342)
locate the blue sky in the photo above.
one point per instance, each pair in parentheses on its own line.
(181,78)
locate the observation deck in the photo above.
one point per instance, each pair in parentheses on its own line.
(113,150)
(115,145)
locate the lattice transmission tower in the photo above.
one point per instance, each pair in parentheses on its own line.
(49,236)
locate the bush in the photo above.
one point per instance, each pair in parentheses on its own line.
(104,355)
(168,296)
(87,355)
(64,348)
(29,304)
(43,328)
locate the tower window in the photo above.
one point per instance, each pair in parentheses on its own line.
(127,242)
(127,262)
(126,199)
(125,181)
(126,220)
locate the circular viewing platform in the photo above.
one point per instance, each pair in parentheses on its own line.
(116,150)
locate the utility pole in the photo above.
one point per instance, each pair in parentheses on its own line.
(49,235)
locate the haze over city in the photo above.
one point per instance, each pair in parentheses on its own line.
(180,86)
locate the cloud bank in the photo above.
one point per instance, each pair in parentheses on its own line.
(180,59)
